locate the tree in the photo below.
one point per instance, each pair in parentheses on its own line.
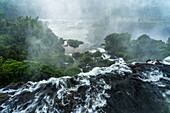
(117,44)
(146,48)
(12,71)
(74,43)
(71,71)
(140,49)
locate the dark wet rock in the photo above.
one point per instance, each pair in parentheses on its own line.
(165,69)
(14,86)
(4,97)
(142,67)
(1,108)
(135,96)
(127,93)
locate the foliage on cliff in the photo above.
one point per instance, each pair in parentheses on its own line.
(23,43)
(140,49)
(12,71)
(74,43)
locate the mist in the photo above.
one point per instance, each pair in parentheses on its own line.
(70,56)
(91,20)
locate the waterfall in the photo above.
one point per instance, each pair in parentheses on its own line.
(120,88)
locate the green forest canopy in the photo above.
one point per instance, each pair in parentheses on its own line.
(140,49)
(30,51)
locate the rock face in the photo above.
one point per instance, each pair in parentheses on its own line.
(14,86)
(139,92)
(5,96)
(120,88)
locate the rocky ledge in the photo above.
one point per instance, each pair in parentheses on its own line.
(144,88)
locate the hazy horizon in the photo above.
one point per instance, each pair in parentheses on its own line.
(106,16)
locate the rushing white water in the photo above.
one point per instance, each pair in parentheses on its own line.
(117,68)
(85,93)
(62,91)
(93,100)
(152,75)
(167,60)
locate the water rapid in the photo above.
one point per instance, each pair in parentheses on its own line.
(120,88)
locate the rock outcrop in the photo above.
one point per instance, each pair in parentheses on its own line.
(120,88)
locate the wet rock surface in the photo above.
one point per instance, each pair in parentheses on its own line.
(143,90)
(14,86)
(4,97)
(131,95)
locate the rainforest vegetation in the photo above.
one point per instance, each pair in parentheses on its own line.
(30,51)
(140,49)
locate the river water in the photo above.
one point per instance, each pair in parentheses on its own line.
(70,28)
(94,30)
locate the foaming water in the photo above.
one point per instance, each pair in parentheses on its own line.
(152,75)
(62,91)
(84,93)
(167,60)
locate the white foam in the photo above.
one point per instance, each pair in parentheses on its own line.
(98,98)
(166,63)
(152,76)
(118,68)
(94,100)
(167,60)
(93,51)
(101,50)
(105,56)
(65,43)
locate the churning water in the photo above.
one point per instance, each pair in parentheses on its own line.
(92,92)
